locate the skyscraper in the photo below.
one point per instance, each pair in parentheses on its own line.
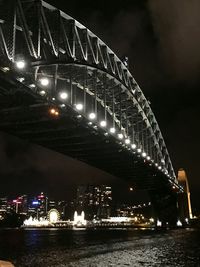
(95,200)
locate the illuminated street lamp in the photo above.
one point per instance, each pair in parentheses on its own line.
(79,106)
(92,116)
(44,81)
(144,154)
(127,141)
(103,123)
(63,95)
(133,146)
(120,136)
(20,64)
(112,130)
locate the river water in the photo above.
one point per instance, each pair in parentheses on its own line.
(101,248)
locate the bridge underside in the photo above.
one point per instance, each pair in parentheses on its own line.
(26,115)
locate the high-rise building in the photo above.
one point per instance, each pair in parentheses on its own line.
(3,203)
(20,204)
(38,206)
(52,204)
(95,200)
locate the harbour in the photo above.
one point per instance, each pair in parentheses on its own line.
(102,247)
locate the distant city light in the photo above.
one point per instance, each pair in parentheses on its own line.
(92,116)
(131,188)
(44,81)
(103,123)
(148,158)
(35,203)
(139,150)
(53,215)
(159,223)
(179,223)
(20,64)
(79,106)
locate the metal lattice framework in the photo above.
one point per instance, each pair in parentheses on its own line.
(66,65)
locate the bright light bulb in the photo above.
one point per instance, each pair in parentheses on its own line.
(103,123)
(63,95)
(44,81)
(20,64)
(144,154)
(79,106)
(112,130)
(92,116)
(133,146)
(52,111)
(127,141)
(120,136)
(148,158)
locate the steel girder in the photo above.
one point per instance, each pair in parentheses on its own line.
(55,46)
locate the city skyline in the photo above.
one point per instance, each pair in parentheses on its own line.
(163,79)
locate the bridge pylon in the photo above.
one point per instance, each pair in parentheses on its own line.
(184,202)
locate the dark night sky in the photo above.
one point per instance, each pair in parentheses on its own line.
(162,41)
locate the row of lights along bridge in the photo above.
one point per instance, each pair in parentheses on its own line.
(63,96)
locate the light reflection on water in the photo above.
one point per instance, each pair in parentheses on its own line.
(101,248)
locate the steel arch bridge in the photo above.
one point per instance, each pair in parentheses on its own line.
(64,88)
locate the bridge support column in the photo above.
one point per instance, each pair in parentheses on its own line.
(184,202)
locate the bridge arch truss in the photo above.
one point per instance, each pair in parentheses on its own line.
(60,55)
